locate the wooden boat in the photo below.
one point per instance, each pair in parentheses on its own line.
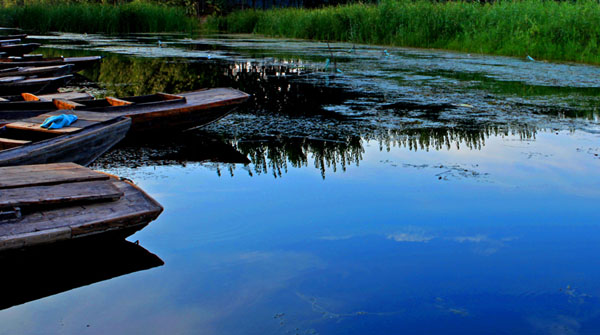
(89,261)
(49,203)
(73,96)
(149,112)
(79,63)
(40,71)
(18,49)
(25,142)
(20,84)
(4,41)
(13,36)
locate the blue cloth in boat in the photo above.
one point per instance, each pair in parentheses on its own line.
(59,121)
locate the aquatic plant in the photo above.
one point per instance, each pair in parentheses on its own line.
(133,17)
(565,30)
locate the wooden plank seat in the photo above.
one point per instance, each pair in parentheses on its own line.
(47,174)
(26,125)
(167,96)
(7,143)
(59,194)
(71,96)
(84,120)
(118,102)
(66,104)
(30,97)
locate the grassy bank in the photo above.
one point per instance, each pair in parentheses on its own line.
(134,17)
(542,29)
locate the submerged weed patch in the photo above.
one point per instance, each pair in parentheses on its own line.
(542,29)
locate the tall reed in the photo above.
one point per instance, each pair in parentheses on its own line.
(566,30)
(133,17)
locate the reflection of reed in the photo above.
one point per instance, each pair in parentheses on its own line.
(446,138)
(273,155)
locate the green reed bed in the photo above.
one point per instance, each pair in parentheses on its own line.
(567,30)
(134,17)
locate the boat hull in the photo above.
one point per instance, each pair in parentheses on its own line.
(35,86)
(82,147)
(178,122)
(42,71)
(47,220)
(79,63)
(18,49)
(198,109)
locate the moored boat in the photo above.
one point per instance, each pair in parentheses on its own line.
(79,63)
(18,49)
(19,84)
(7,41)
(149,112)
(49,203)
(73,96)
(25,142)
(13,36)
(39,71)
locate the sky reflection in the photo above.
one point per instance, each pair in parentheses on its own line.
(384,247)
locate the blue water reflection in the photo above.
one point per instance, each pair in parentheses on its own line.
(503,240)
(397,207)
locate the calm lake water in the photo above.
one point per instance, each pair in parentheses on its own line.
(405,192)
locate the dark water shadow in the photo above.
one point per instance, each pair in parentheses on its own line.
(32,274)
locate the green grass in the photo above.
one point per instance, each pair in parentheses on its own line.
(133,17)
(552,30)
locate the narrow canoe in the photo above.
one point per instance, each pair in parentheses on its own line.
(25,142)
(148,113)
(73,96)
(20,84)
(79,63)
(39,71)
(49,203)
(18,49)
(7,41)
(14,36)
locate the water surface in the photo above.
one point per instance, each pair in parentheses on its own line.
(410,192)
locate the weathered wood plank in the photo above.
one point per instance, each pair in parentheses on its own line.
(35,238)
(24,125)
(30,97)
(7,143)
(134,208)
(117,102)
(81,115)
(32,196)
(46,174)
(72,96)
(65,104)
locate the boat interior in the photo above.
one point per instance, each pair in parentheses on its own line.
(11,137)
(23,132)
(79,101)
